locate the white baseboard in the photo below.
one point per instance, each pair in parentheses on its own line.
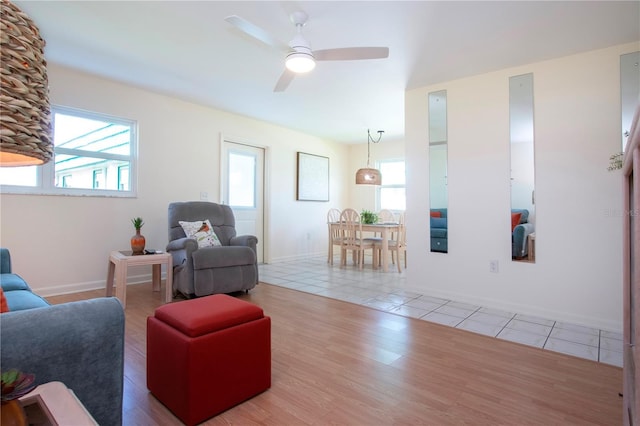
(586,321)
(294,257)
(89,285)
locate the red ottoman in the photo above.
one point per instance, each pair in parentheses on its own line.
(208,354)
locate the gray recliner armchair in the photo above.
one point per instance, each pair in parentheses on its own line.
(201,271)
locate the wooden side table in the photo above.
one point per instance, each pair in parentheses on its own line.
(531,255)
(61,406)
(119,262)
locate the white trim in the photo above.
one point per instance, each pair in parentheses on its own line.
(266,198)
(523,309)
(91,285)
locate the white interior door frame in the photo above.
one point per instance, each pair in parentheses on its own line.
(225,142)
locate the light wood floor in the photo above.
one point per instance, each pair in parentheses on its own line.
(342,364)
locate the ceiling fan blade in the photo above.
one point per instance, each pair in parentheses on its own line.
(255,32)
(285,79)
(351,53)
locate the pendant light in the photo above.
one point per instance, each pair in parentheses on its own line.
(368,175)
(26,137)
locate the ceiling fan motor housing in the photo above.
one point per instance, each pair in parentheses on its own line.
(300,58)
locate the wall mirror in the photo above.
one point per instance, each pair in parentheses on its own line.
(629,90)
(438,198)
(523,213)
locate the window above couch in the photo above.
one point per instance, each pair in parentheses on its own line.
(94,154)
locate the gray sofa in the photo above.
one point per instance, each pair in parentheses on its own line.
(201,271)
(80,344)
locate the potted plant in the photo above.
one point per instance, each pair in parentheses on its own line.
(368,217)
(137,241)
(14,385)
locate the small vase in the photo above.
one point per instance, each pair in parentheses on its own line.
(12,414)
(137,243)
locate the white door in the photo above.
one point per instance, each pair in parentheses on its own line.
(242,189)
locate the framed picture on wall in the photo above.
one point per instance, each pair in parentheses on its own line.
(312,177)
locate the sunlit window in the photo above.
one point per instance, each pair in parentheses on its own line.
(242,179)
(391,194)
(94,154)
(26,176)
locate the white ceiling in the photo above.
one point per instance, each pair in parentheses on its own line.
(186,49)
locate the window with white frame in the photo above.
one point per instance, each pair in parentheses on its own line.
(391,194)
(94,154)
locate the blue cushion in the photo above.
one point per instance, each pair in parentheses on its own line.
(11,282)
(439,222)
(18,300)
(438,233)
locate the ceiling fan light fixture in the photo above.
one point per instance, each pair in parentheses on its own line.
(300,62)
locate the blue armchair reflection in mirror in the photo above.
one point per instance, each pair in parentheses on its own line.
(438,219)
(520,230)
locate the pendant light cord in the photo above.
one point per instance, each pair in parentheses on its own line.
(369,140)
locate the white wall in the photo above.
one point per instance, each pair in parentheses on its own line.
(578,270)
(61,244)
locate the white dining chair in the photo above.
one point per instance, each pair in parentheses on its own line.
(397,244)
(386,215)
(352,239)
(333,217)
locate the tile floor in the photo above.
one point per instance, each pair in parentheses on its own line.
(383,291)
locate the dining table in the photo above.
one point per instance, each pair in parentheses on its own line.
(386,229)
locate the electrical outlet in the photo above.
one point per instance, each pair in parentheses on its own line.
(493,266)
(204,196)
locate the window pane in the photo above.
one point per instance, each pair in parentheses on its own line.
(75,134)
(72,171)
(392,191)
(20,176)
(87,134)
(123,178)
(392,172)
(242,180)
(393,198)
(98,179)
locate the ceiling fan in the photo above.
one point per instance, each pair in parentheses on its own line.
(299,56)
